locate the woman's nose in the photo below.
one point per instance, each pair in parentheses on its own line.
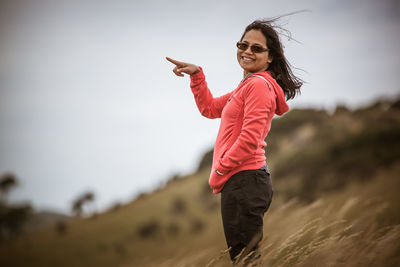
(248,50)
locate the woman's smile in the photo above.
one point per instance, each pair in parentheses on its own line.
(247,59)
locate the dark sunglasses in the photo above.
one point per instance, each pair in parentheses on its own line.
(253,48)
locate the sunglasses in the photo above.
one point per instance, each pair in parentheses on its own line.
(253,48)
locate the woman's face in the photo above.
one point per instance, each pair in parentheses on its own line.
(250,61)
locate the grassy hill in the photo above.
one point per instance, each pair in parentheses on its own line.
(335,176)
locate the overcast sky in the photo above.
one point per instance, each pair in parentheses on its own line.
(88,101)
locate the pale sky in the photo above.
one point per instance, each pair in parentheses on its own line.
(88,101)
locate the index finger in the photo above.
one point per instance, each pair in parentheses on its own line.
(176,62)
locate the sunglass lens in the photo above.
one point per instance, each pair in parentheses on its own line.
(242,46)
(257,49)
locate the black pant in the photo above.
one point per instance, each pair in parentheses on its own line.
(244,199)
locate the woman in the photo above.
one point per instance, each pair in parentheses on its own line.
(239,170)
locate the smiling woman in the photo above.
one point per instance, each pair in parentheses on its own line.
(239,171)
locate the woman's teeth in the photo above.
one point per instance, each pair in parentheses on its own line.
(246,59)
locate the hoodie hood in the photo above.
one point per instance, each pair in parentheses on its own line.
(281,105)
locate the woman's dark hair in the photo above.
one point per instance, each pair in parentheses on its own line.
(279,67)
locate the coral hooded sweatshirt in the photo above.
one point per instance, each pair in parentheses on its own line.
(246,114)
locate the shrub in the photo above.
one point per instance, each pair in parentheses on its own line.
(179,206)
(61,227)
(197,226)
(173,229)
(150,229)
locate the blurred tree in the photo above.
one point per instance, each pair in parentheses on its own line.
(80,202)
(7,181)
(12,219)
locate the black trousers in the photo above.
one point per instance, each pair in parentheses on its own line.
(244,199)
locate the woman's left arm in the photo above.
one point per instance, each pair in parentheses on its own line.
(258,102)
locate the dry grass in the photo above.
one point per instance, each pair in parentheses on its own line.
(357,226)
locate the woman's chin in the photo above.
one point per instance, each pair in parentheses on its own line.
(246,67)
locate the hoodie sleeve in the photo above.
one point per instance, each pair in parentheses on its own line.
(258,103)
(208,106)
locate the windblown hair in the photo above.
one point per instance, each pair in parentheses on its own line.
(279,67)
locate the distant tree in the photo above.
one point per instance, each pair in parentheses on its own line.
(7,181)
(80,202)
(12,217)
(12,220)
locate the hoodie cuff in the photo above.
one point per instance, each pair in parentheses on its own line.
(197,78)
(219,173)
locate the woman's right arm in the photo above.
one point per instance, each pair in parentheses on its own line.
(209,106)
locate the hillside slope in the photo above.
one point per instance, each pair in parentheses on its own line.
(335,176)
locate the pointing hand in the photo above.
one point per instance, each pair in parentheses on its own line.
(183,67)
